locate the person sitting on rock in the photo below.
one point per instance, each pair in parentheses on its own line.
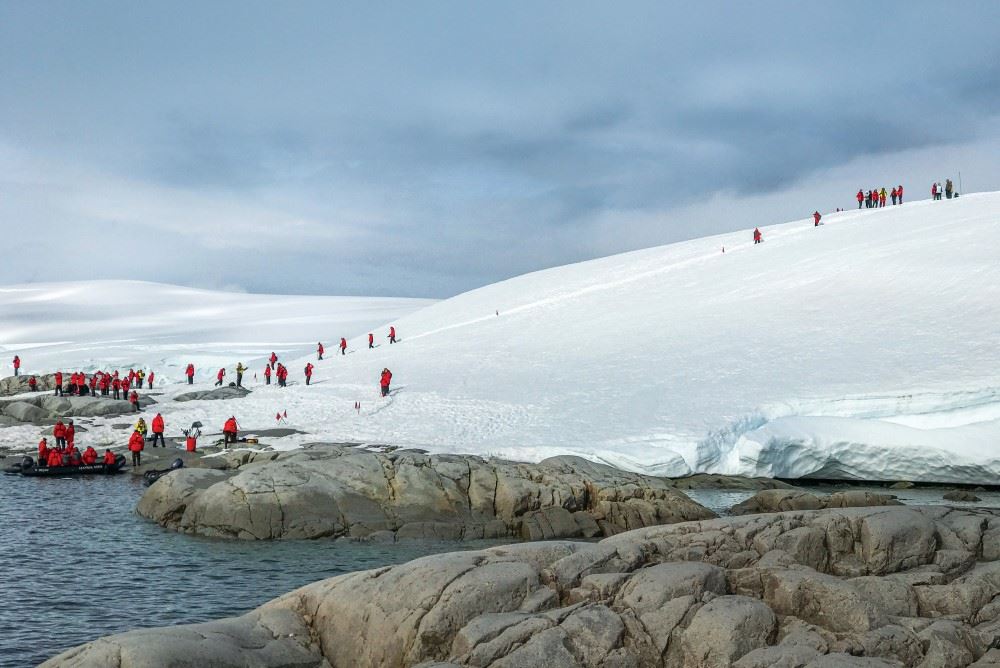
(89,456)
(135,445)
(32,384)
(109,457)
(229,431)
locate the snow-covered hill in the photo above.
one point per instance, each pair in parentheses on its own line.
(867,347)
(88,325)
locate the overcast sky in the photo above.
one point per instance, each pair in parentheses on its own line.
(427,148)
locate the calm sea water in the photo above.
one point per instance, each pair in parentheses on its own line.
(78,563)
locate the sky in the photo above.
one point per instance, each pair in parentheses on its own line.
(425,149)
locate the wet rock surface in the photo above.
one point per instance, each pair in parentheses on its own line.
(873,586)
(218,394)
(342,491)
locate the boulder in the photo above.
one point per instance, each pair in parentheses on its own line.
(341,491)
(725,629)
(777,500)
(961,495)
(218,394)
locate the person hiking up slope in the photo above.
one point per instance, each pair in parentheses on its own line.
(816,218)
(319,351)
(384,381)
(343,346)
(757,236)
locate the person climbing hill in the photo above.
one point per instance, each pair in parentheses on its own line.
(757,236)
(392,334)
(384,381)
(272,359)
(816,218)
(371,340)
(861,198)
(343,346)
(319,350)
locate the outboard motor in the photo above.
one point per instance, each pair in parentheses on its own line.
(27,463)
(177,464)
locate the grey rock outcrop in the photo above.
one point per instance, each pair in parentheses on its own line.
(47,409)
(961,495)
(12,385)
(709,593)
(778,500)
(218,394)
(342,491)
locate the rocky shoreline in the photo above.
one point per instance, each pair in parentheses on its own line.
(888,586)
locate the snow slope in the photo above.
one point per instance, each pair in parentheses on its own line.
(865,348)
(89,325)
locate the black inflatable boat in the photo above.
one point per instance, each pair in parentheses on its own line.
(27,467)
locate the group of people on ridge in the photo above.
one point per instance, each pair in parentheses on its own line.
(875,198)
(948,190)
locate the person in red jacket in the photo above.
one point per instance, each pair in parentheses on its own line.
(371,340)
(109,457)
(319,350)
(134,400)
(54,459)
(861,198)
(309,372)
(384,381)
(899,193)
(892,196)
(74,457)
(43,450)
(93,385)
(58,382)
(126,384)
(89,456)
(392,334)
(189,372)
(103,384)
(229,431)
(131,376)
(282,375)
(59,432)
(149,379)
(273,359)
(267,374)
(32,384)
(757,236)
(135,445)
(17,365)
(343,346)
(116,387)
(70,435)
(816,218)
(157,427)
(219,376)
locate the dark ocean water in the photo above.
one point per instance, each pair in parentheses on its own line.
(78,563)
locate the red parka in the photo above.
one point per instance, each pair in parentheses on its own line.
(136,442)
(157,424)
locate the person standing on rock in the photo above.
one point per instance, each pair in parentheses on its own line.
(392,334)
(267,374)
(134,400)
(189,372)
(150,379)
(17,366)
(135,445)
(157,427)
(58,382)
(59,433)
(219,376)
(343,346)
(319,350)
(371,340)
(229,431)
(384,381)
(239,374)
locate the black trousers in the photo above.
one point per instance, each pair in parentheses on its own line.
(58,391)
(267,380)
(190,380)
(136,456)
(158,435)
(239,380)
